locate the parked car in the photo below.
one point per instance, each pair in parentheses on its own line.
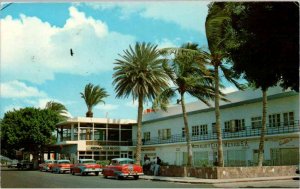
(13,164)
(86,166)
(25,164)
(47,165)
(122,167)
(61,166)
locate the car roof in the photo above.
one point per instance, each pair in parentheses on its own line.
(122,159)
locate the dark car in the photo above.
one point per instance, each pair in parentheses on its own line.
(25,164)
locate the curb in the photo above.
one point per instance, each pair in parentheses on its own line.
(194,180)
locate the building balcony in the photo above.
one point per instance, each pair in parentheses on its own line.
(274,129)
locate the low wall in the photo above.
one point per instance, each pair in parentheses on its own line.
(227,172)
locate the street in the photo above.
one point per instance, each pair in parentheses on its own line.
(13,178)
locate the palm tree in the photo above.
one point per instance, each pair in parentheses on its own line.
(140,73)
(59,108)
(215,26)
(189,76)
(92,96)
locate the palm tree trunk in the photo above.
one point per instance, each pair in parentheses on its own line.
(263,129)
(187,132)
(139,130)
(218,117)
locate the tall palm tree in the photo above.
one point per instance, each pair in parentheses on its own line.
(189,76)
(139,73)
(92,96)
(215,26)
(59,108)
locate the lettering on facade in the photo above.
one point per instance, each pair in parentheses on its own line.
(94,148)
(243,143)
(285,141)
(148,149)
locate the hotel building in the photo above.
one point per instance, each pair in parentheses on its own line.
(164,134)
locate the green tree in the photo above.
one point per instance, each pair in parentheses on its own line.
(189,76)
(28,128)
(92,96)
(139,73)
(264,47)
(59,108)
(215,26)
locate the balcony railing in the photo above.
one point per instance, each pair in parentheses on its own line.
(280,128)
(109,143)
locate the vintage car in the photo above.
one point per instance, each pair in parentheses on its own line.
(13,164)
(86,166)
(122,167)
(47,165)
(25,164)
(61,166)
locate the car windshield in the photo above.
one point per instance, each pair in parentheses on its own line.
(88,161)
(65,162)
(126,162)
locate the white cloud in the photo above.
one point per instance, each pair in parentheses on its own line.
(17,89)
(187,14)
(35,51)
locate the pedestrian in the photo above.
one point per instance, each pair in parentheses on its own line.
(157,166)
(146,166)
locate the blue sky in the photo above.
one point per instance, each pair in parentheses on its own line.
(36,38)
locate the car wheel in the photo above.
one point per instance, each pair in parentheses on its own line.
(136,177)
(105,176)
(120,177)
(72,172)
(96,173)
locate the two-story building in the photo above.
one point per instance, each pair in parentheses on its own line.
(241,120)
(164,134)
(93,138)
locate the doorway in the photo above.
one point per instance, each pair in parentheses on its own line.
(124,154)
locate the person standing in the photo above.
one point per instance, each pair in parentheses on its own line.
(157,166)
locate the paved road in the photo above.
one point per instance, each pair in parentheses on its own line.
(12,178)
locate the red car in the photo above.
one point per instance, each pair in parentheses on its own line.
(61,166)
(85,166)
(47,165)
(122,167)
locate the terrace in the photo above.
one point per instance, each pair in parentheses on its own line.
(248,131)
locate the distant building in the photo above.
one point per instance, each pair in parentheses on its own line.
(96,138)
(241,118)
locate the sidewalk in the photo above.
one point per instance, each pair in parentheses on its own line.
(195,180)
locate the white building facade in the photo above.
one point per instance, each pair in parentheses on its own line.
(164,134)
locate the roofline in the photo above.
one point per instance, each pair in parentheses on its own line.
(271,97)
(96,121)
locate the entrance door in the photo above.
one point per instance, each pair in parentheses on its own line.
(124,154)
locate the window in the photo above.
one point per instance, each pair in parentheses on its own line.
(235,125)
(195,130)
(288,118)
(164,134)
(183,132)
(256,122)
(214,129)
(147,136)
(203,129)
(274,120)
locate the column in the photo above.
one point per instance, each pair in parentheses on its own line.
(78,126)
(72,132)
